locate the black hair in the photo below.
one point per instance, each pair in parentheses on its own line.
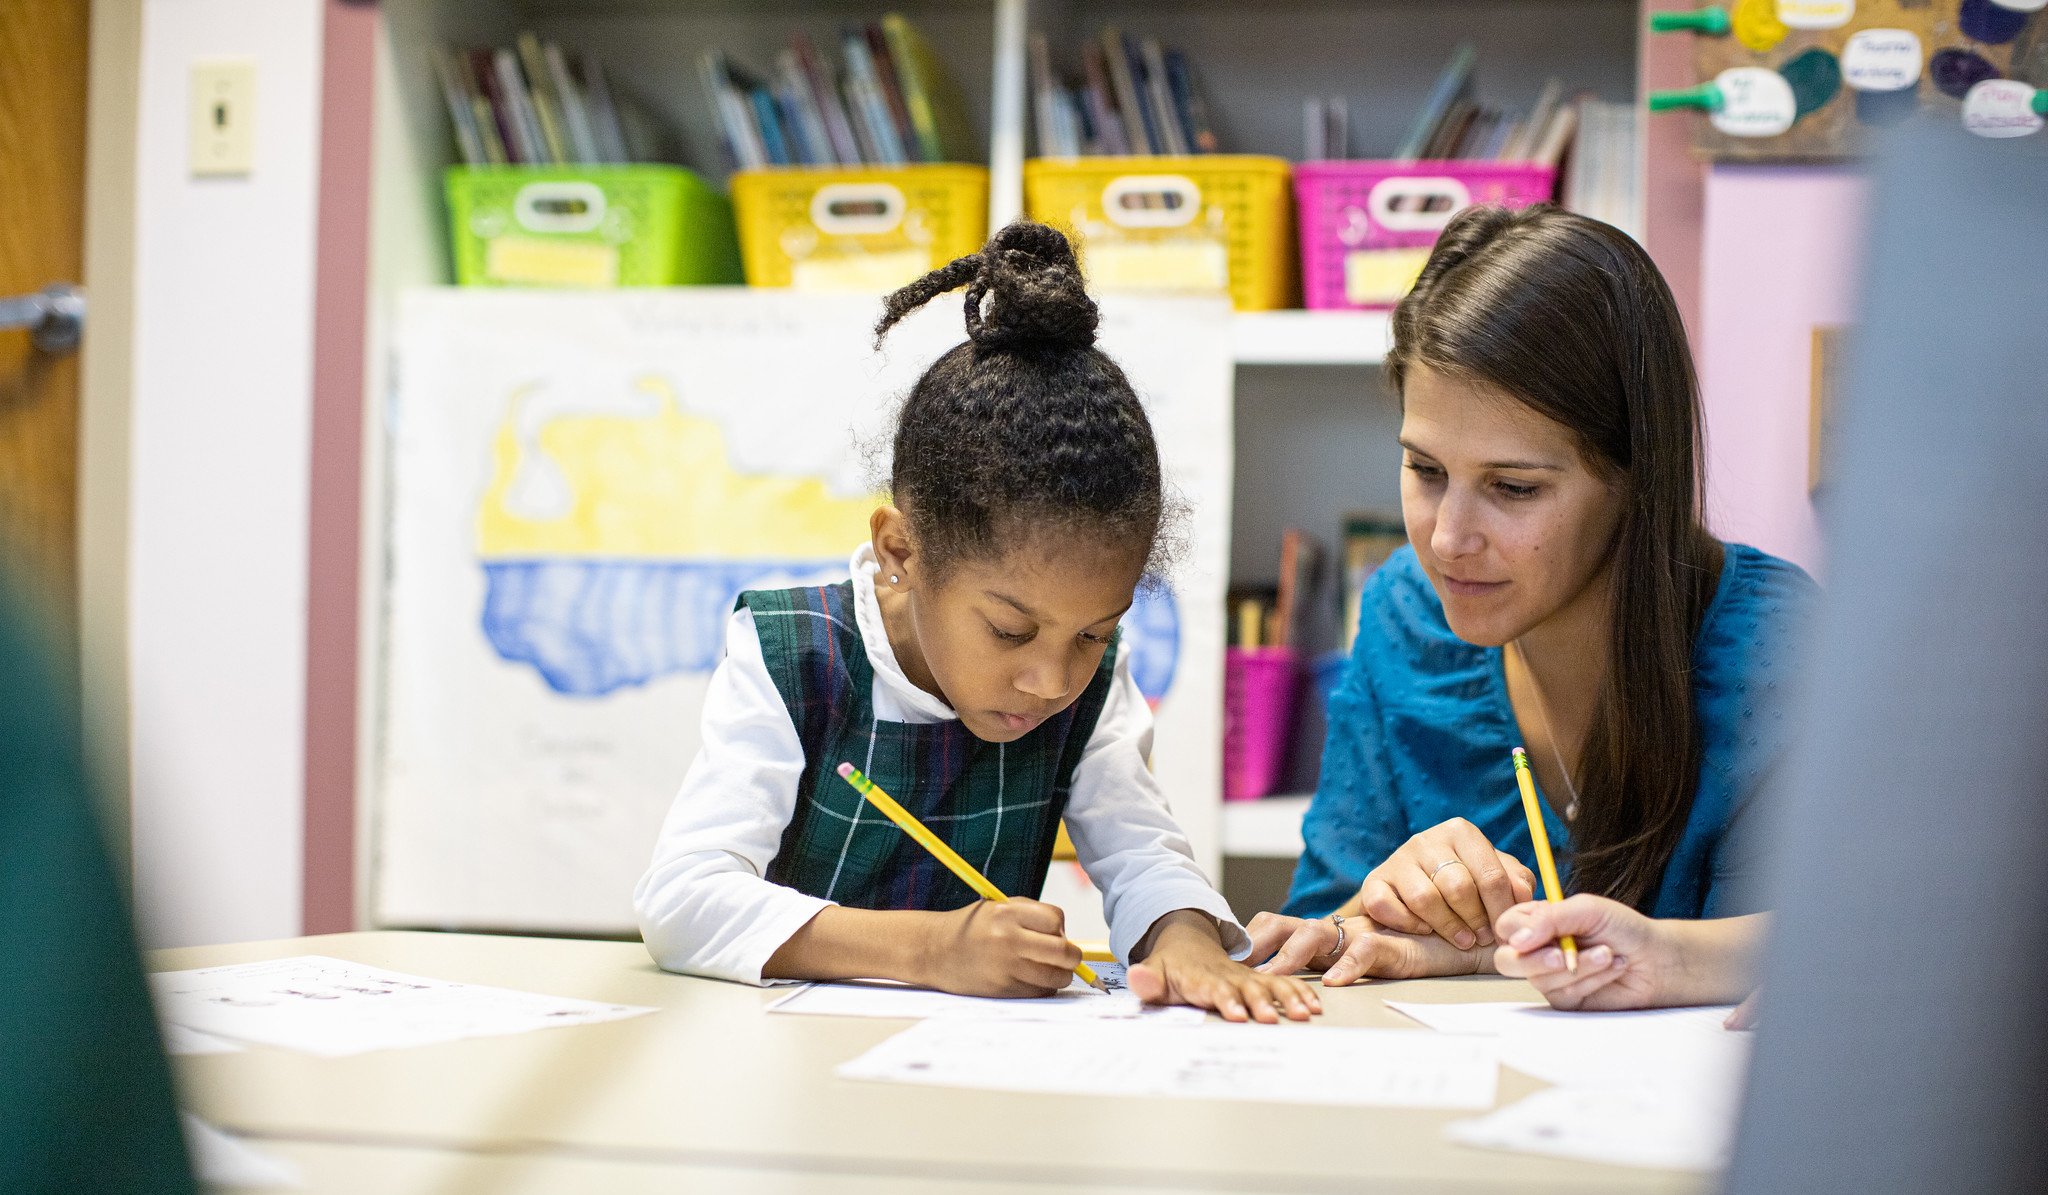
(1026,426)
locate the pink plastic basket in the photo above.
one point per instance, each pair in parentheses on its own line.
(1258,719)
(1366,227)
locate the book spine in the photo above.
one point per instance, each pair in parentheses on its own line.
(461,115)
(865,91)
(770,122)
(1134,62)
(1118,68)
(891,91)
(916,89)
(1101,103)
(540,93)
(511,97)
(1159,98)
(838,126)
(604,112)
(575,111)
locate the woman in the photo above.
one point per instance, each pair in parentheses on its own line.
(1561,592)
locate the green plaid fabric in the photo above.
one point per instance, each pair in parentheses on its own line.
(998,804)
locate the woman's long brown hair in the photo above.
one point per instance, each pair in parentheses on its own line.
(1571,317)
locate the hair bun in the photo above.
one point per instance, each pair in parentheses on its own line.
(1028,291)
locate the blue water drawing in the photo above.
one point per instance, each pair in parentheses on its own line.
(591,627)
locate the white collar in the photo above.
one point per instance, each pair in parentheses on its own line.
(867,611)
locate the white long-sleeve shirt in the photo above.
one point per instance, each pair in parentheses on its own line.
(704,906)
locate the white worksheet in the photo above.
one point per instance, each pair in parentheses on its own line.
(178,1040)
(886,998)
(1662,1126)
(1658,1087)
(1684,1047)
(331,1007)
(1294,1064)
(221,1160)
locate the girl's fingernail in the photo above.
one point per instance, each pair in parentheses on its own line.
(1464,939)
(1522,937)
(1553,959)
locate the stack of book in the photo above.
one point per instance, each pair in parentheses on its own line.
(1133,97)
(1454,125)
(539,105)
(1604,179)
(887,101)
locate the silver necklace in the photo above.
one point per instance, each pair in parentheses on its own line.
(1571,809)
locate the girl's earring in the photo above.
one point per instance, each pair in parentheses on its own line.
(894,579)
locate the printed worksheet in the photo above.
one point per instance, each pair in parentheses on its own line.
(886,998)
(1666,1046)
(179,1040)
(332,1007)
(1292,1064)
(1662,1126)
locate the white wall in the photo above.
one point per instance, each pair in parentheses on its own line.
(219,475)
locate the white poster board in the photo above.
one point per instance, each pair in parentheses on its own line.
(580,484)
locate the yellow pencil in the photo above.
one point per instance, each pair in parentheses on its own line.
(1552,890)
(937,846)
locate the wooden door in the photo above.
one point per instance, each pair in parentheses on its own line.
(42,203)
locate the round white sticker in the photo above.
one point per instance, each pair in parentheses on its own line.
(1882,59)
(1755,102)
(2001,108)
(1816,14)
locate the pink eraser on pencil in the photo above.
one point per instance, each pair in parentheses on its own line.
(845,769)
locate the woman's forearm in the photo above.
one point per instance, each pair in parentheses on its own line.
(1716,962)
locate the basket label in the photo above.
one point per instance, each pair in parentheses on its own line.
(1158,263)
(528,261)
(1379,277)
(866,273)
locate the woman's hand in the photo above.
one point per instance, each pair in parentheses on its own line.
(1449,881)
(1188,965)
(1365,950)
(1628,960)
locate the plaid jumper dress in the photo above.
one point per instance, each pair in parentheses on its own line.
(998,804)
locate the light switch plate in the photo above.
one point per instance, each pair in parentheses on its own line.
(223,118)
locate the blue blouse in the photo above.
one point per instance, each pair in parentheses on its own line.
(1420,731)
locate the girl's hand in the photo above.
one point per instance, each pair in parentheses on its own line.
(1188,965)
(990,948)
(1369,950)
(1449,881)
(1626,960)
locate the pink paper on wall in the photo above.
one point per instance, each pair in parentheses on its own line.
(1778,256)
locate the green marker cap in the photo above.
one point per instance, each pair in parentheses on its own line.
(1706,96)
(1711,21)
(2040,102)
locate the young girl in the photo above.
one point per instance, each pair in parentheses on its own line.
(971,668)
(1560,591)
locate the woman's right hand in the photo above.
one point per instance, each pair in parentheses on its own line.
(1009,948)
(1626,960)
(1449,881)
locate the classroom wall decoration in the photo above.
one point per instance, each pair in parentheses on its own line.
(1807,79)
(578,488)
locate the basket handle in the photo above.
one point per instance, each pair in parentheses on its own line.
(1416,203)
(857,209)
(1151,200)
(563,205)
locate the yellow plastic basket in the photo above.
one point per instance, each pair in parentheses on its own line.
(1202,222)
(857,229)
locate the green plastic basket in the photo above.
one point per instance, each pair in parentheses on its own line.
(593,227)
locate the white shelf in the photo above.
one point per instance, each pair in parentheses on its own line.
(1310,337)
(1268,828)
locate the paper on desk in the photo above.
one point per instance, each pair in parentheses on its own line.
(224,1161)
(1278,1064)
(1662,1126)
(331,1007)
(884,998)
(180,1040)
(1658,1087)
(1684,1047)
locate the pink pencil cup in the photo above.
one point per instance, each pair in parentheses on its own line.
(1258,718)
(1367,227)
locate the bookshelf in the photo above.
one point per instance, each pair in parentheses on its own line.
(1314,422)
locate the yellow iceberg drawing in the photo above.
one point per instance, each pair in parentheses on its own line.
(652,486)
